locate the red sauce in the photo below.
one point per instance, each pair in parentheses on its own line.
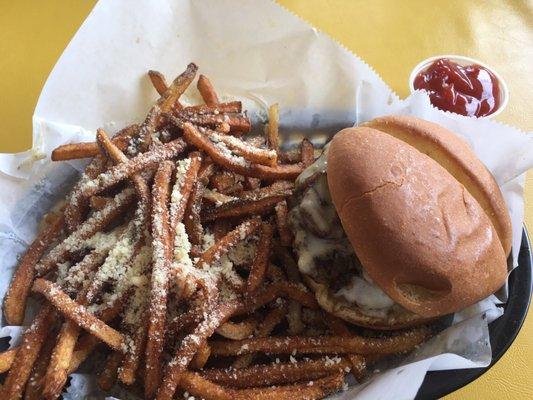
(470,90)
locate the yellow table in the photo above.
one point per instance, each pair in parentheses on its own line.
(390,35)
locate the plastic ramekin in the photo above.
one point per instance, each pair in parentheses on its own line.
(462,60)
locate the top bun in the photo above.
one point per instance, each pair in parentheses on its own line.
(456,156)
(425,217)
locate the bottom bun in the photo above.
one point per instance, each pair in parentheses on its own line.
(353,314)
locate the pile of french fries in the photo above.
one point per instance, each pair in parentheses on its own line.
(172,257)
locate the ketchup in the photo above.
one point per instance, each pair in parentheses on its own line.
(471,90)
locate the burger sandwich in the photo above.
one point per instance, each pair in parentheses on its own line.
(397,223)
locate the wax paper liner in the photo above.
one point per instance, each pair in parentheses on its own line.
(257,52)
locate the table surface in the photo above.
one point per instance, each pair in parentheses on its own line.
(390,35)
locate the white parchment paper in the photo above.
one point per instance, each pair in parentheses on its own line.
(257,52)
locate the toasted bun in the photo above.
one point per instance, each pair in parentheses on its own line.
(454,155)
(418,231)
(350,312)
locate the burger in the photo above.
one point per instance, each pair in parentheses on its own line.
(397,223)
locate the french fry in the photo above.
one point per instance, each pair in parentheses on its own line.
(19,288)
(234,107)
(207,91)
(78,313)
(135,320)
(358,362)
(294,318)
(237,330)
(183,187)
(76,241)
(160,278)
(118,157)
(245,150)
(32,341)
(234,123)
(34,387)
(271,320)
(57,372)
(124,170)
(195,384)
(217,198)
(240,208)
(277,373)
(142,211)
(401,343)
(277,188)
(230,240)
(222,156)
(201,357)
(75,151)
(254,202)
(316,389)
(159,82)
(85,346)
(272,291)
(191,218)
(190,345)
(308,152)
(177,88)
(6,359)
(273,127)
(165,103)
(87,342)
(104,180)
(132,358)
(261,259)
(282,217)
(77,205)
(200,387)
(279,172)
(294,315)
